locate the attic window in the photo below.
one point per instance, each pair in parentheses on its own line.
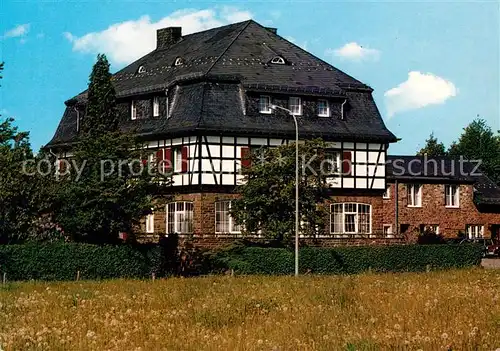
(278,60)
(178,61)
(141,69)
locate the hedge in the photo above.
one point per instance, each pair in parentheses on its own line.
(62,261)
(348,260)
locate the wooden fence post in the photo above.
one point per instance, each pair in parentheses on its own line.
(4,278)
(77,275)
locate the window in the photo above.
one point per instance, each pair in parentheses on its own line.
(388,231)
(350,218)
(265,104)
(150,223)
(180,217)
(332,163)
(452,195)
(474,231)
(387,193)
(432,228)
(278,60)
(295,105)
(414,195)
(133,110)
(156,106)
(141,69)
(177,159)
(323,108)
(178,61)
(224,223)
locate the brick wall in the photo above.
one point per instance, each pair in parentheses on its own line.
(434,211)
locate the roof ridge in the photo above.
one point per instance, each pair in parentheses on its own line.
(227,48)
(218,28)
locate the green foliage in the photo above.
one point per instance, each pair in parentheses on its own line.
(109,190)
(432,148)
(62,261)
(101,113)
(347,260)
(267,201)
(478,142)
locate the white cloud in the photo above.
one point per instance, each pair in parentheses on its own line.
(126,41)
(18,31)
(419,90)
(354,51)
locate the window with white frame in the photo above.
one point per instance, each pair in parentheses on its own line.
(350,218)
(332,163)
(156,106)
(150,223)
(265,104)
(388,231)
(432,228)
(452,195)
(295,105)
(414,195)
(474,231)
(133,110)
(224,222)
(180,217)
(387,192)
(177,159)
(323,108)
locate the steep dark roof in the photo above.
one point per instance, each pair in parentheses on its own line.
(442,170)
(238,57)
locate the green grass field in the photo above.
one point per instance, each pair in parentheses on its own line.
(449,310)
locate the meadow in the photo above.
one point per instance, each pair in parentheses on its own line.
(447,310)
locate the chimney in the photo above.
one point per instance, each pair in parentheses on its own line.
(166,37)
(272,30)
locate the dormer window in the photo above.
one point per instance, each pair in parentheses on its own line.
(141,69)
(323,108)
(265,104)
(278,60)
(178,61)
(295,105)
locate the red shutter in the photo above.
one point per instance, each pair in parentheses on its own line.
(167,165)
(184,152)
(62,166)
(246,160)
(346,163)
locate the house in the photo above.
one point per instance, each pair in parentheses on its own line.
(203,101)
(445,195)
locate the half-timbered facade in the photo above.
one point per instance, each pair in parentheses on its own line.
(202,102)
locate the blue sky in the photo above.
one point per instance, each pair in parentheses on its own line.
(434,66)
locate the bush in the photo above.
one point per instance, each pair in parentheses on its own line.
(347,260)
(61,261)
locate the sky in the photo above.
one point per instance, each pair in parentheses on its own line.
(434,67)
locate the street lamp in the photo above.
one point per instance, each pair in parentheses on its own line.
(274,107)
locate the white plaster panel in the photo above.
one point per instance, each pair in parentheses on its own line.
(207,179)
(259,141)
(242,141)
(378,184)
(360,170)
(227,179)
(228,165)
(361,156)
(228,151)
(348,145)
(361,145)
(348,183)
(213,139)
(228,140)
(214,150)
(361,183)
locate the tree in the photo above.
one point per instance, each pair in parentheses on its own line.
(101,113)
(105,189)
(267,202)
(432,148)
(478,142)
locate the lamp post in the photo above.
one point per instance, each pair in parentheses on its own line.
(274,107)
